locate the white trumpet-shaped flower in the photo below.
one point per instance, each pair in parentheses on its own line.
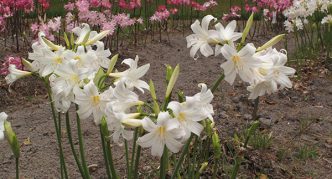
(86,36)
(90,101)
(227,35)
(167,132)
(202,101)
(273,77)
(115,123)
(239,62)
(131,77)
(202,37)
(15,74)
(189,114)
(3,118)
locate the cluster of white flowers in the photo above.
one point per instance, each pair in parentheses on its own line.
(174,128)
(74,77)
(298,14)
(263,68)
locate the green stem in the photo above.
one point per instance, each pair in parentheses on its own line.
(17,160)
(184,152)
(236,168)
(254,113)
(138,155)
(105,154)
(78,163)
(217,82)
(110,160)
(81,146)
(127,160)
(57,132)
(134,149)
(163,164)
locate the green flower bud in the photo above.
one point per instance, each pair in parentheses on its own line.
(12,139)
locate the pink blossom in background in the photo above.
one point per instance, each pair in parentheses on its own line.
(131,5)
(106,4)
(123,20)
(173,10)
(109,26)
(161,14)
(139,20)
(233,14)
(54,24)
(2,23)
(210,3)
(44,4)
(69,6)
(82,5)
(10,60)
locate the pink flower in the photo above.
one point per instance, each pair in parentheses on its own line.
(10,60)
(69,6)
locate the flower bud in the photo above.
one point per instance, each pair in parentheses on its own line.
(203,167)
(172,81)
(271,42)
(247,28)
(12,139)
(216,145)
(113,61)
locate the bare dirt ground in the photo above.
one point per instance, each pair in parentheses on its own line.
(298,119)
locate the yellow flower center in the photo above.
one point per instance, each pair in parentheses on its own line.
(74,78)
(58,60)
(77,58)
(182,116)
(236,59)
(262,71)
(161,131)
(95,100)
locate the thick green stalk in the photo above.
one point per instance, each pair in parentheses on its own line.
(17,160)
(254,112)
(134,150)
(138,155)
(127,160)
(57,132)
(184,152)
(78,163)
(217,83)
(110,160)
(163,164)
(81,146)
(105,154)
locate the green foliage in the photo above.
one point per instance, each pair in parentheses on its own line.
(261,140)
(306,152)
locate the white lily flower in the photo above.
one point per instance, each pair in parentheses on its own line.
(88,37)
(276,75)
(131,77)
(203,101)
(202,37)
(115,125)
(3,118)
(90,101)
(101,54)
(188,114)
(165,132)
(15,74)
(239,63)
(227,35)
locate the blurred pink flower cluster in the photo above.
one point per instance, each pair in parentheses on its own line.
(130,5)
(233,14)
(161,14)
(53,25)
(9,7)
(10,60)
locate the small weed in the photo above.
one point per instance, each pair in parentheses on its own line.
(281,154)
(305,124)
(306,152)
(261,140)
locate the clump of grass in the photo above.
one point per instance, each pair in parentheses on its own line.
(306,152)
(261,140)
(281,154)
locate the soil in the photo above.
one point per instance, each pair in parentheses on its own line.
(296,118)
